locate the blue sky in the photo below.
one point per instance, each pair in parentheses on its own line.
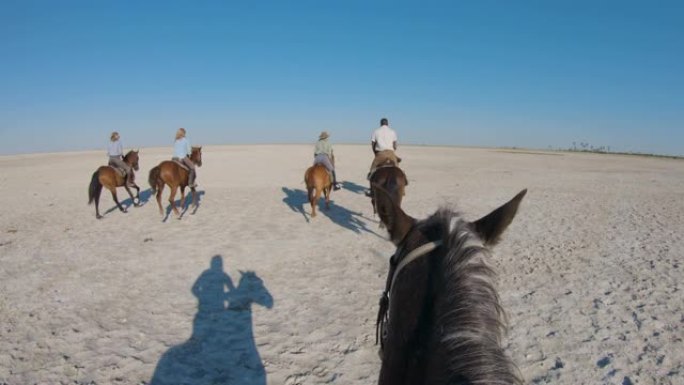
(478,73)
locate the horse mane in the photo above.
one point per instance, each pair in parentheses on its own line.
(468,310)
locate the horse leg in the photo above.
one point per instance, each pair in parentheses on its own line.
(194,197)
(130,194)
(326,192)
(172,200)
(137,195)
(159,195)
(116,200)
(314,202)
(182,190)
(97,204)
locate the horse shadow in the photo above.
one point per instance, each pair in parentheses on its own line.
(145,196)
(296,200)
(184,205)
(355,188)
(350,220)
(221,349)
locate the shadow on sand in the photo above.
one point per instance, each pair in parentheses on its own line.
(297,200)
(184,205)
(145,196)
(221,349)
(355,188)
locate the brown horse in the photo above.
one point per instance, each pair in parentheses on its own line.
(391,179)
(170,173)
(440,319)
(110,178)
(317,179)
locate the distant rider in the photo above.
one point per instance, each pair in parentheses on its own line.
(115,152)
(182,152)
(323,154)
(384,144)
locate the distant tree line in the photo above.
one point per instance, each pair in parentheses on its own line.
(586,147)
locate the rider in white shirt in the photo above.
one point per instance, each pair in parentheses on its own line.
(383,143)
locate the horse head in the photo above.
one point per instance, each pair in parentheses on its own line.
(251,289)
(132,159)
(392,180)
(196,156)
(442,261)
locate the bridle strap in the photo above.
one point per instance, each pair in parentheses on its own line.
(394,273)
(413,255)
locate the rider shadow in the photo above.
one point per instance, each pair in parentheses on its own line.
(353,187)
(296,200)
(184,205)
(128,202)
(221,349)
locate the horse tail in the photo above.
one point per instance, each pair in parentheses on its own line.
(310,188)
(310,193)
(154,178)
(95,187)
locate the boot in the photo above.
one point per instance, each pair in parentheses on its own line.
(336,186)
(191,179)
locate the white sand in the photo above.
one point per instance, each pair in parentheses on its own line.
(590,270)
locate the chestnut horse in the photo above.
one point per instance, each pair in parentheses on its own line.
(391,179)
(317,179)
(440,320)
(170,173)
(110,178)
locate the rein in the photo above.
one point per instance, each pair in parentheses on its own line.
(395,269)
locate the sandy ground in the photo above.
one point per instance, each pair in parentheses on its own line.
(590,270)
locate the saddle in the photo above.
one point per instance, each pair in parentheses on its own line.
(180,164)
(326,169)
(387,163)
(118,170)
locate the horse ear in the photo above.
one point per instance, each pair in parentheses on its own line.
(398,223)
(491,226)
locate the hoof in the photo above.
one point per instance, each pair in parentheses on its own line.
(98,216)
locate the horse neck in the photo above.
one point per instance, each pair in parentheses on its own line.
(469,311)
(194,157)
